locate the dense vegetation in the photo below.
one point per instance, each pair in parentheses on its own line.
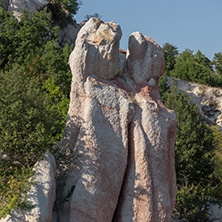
(198,147)
(198,162)
(34,97)
(193,67)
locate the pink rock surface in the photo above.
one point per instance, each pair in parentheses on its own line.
(97,126)
(121,132)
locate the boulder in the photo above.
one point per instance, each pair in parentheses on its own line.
(41,195)
(215,212)
(144,58)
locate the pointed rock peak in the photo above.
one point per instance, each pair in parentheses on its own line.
(145,59)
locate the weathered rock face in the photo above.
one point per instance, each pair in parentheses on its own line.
(16,6)
(145,59)
(67,34)
(120,131)
(209,99)
(97,126)
(41,195)
(149,187)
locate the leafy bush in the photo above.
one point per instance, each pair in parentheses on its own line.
(193,202)
(197,156)
(170,53)
(191,68)
(34,96)
(194,147)
(30,124)
(63,10)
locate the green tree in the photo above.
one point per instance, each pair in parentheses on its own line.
(20,40)
(30,124)
(202,59)
(194,147)
(192,68)
(217,62)
(32,43)
(34,89)
(170,53)
(63,11)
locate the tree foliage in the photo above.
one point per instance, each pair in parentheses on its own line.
(170,53)
(63,11)
(194,147)
(34,96)
(217,62)
(192,67)
(198,157)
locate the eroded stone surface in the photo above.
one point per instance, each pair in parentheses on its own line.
(149,187)
(144,58)
(97,126)
(16,6)
(41,195)
(209,99)
(122,133)
(118,143)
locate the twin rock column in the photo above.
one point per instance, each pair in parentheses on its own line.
(122,134)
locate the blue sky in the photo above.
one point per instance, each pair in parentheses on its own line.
(192,24)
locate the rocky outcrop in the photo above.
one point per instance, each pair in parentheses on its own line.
(209,99)
(16,6)
(149,187)
(68,34)
(41,195)
(119,130)
(116,158)
(97,125)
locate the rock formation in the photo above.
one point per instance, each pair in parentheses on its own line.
(16,6)
(119,130)
(209,99)
(66,35)
(116,159)
(149,187)
(41,195)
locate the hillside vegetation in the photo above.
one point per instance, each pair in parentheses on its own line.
(197,146)
(34,97)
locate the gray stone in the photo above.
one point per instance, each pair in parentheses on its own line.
(97,126)
(41,195)
(209,99)
(16,6)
